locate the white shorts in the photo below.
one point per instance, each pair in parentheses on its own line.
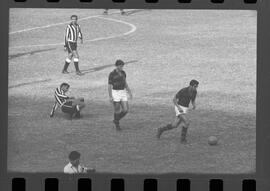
(119,95)
(177,112)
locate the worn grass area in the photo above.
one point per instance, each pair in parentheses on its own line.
(167,50)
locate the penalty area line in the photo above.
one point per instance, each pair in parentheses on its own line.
(29,83)
(57,24)
(132,30)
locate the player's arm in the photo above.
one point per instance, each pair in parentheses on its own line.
(110,92)
(70,98)
(80,34)
(128,90)
(66,36)
(110,87)
(193,101)
(88,170)
(193,104)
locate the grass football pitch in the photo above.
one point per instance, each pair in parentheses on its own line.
(164,50)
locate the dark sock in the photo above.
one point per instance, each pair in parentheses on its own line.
(76,64)
(122,114)
(66,66)
(78,114)
(168,127)
(116,117)
(184,132)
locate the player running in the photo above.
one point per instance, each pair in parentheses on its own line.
(73,32)
(69,105)
(118,89)
(181,103)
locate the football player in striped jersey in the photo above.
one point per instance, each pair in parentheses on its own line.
(69,105)
(73,32)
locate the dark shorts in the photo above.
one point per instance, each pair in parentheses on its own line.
(68,108)
(71,46)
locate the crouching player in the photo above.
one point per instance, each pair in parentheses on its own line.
(69,105)
(181,103)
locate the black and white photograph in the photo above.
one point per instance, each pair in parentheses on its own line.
(132,91)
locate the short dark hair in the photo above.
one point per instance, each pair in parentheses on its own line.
(74,16)
(74,155)
(193,83)
(119,62)
(64,84)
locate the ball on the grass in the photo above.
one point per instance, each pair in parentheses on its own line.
(212,140)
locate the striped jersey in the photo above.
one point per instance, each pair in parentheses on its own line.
(73,32)
(60,96)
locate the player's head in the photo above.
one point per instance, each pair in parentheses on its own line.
(74,19)
(119,64)
(64,86)
(74,158)
(194,84)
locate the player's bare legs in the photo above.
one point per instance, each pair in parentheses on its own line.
(174,124)
(79,102)
(76,61)
(120,110)
(79,105)
(185,122)
(117,114)
(67,62)
(124,110)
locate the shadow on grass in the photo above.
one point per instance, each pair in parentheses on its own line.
(29,53)
(138,137)
(30,83)
(133,12)
(99,68)
(140,113)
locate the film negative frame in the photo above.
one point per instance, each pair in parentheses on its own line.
(172,181)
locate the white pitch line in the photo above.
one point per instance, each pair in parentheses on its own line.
(56,24)
(133,29)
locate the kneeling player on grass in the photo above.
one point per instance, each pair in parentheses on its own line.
(181,103)
(69,105)
(118,89)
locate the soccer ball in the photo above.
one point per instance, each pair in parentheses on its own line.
(212,140)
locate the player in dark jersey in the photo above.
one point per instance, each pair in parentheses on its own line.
(181,103)
(73,32)
(118,89)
